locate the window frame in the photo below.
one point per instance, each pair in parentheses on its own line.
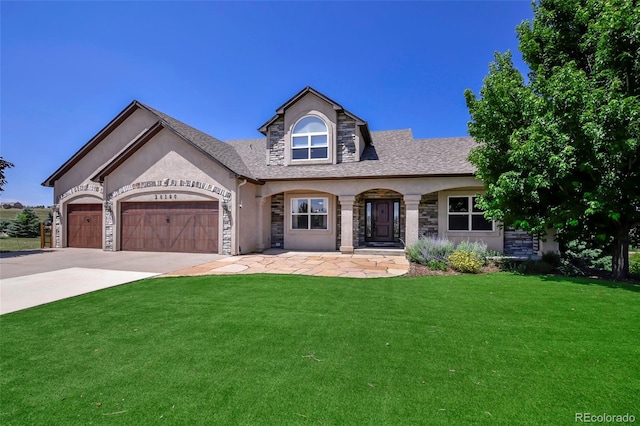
(309,146)
(471,213)
(309,199)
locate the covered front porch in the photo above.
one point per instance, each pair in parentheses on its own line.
(345,215)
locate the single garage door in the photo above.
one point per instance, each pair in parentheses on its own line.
(190,227)
(84,225)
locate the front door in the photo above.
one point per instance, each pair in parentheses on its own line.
(382,220)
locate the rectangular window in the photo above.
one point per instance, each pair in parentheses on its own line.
(463,215)
(309,213)
(309,147)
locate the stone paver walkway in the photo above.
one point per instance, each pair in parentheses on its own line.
(304,263)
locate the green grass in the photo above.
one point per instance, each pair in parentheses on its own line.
(17,244)
(10,214)
(268,349)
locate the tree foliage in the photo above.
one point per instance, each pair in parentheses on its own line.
(562,149)
(3,165)
(25,225)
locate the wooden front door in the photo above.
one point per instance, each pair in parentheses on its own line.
(190,227)
(382,219)
(84,225)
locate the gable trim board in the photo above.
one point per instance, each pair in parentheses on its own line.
(146,157)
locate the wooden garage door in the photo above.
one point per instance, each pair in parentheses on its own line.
(190,227)
(84,225)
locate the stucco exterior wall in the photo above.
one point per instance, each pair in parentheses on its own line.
(247,227)
(310,104)
(168,156)
(125,133)
(494,239)
(310,239)
(405,186)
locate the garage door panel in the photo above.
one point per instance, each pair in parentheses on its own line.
(170,226)
(84,225)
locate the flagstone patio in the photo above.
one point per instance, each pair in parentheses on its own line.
(304,263)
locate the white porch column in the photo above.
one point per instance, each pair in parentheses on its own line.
(262,201)
(346,223)
(412,219)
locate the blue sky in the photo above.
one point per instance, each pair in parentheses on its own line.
(67,68)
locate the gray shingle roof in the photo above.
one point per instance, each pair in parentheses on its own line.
(222,152)
(397,153)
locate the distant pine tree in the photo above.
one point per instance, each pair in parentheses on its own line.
(25,225)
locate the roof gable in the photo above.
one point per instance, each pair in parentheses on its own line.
(215,149)
(280,111)
(92,143)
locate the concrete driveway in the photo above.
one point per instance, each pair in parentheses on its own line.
(32,278)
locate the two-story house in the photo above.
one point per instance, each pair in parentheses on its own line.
(319,179)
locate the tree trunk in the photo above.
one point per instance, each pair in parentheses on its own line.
(620,266)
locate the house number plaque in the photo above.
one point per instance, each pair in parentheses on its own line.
(166,196)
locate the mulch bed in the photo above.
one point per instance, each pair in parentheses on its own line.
(418,270)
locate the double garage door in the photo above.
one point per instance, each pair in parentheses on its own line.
(190,227)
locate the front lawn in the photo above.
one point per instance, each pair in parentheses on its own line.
(271,349)
(18,244)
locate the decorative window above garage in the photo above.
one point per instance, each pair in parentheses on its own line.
(310,139)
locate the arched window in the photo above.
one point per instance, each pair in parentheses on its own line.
(309,140)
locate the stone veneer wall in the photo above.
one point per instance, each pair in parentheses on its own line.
(428,215)
(276,144)
(346,144)
(359,212)
(519,243)
(277,220)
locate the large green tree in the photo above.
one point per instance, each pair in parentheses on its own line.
(4,164)
(561,148)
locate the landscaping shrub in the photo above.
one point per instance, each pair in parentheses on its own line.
(535,267)
(634,266)
(429,249)
(552,258)
(578,260)
(477,247)
(438,265)
(466,261)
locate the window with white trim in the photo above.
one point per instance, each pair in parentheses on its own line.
(309,213)
(310,139)
(463,215)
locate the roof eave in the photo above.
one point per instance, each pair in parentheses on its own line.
(399,176)
(95,140)
(154,130)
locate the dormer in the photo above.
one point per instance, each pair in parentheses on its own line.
(310,129)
